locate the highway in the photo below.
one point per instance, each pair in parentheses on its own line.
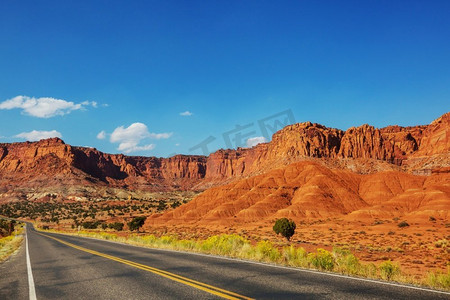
(69,267)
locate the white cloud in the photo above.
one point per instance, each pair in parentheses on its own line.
(37,135)
(91,103)
(255,141)
(158,136)
(130,147)
(129,138)
(186,114)
(45,107)
(101,135)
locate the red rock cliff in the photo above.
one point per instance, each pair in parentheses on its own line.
(393,144)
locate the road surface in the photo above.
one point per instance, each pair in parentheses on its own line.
(69,267)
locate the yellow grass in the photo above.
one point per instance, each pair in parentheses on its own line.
(11,243)
(232,245)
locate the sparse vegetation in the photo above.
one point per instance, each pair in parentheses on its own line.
(284,227)
(90,224)
(136,223)
(346,262)
(388,270)
(439,279)
(161,205)
(322,259)
(6,227)
(10,240)
(442,244)
(175,204)
(116,226)
(339,260)
(403,224)
(57,210)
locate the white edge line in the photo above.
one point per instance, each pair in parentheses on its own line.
(298,269)
(32,291)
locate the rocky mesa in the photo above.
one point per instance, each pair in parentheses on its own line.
(364,149)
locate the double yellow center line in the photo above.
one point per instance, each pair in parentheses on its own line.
(193,283)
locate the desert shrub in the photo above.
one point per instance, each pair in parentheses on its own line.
(106,236)
(116,226)
(6,227)
(432,219)
(266,251)
(322,259)
(161,205)
(368,270)
(90,224)
(442,244)
(175,204)
(9,244)
(224,244)
(296,257)
(346,262)
(403,224)
(186,245)
(167,240)
(146,240)
(388,270)
(284,227)
(5,240)
(439,279)
(136,223)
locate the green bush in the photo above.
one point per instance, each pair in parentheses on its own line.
(284,227)
(90,224)
(136,223)
(322,259)
(161,205)
(175,204)
(116,226)
(389,269)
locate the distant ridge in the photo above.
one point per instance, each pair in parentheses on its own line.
(418,149)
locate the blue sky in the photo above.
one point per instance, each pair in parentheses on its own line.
(122,72)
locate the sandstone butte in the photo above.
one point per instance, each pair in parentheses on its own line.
(360,174)
(306,171)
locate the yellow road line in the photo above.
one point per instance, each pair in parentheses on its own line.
(193,283)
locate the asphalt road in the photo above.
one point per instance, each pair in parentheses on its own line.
(79,268)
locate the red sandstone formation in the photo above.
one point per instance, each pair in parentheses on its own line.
(363,149)
(308,190)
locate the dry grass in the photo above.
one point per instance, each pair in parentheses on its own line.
(11,243)
(232,245)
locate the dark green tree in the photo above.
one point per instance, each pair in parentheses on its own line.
(116,226)
(136,223)
(161,205)
(284,227)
